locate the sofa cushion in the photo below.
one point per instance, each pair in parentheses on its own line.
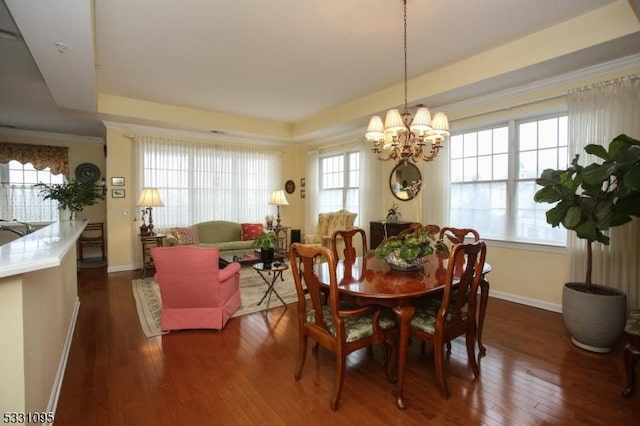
(187,236)
(230,245)
(217,231)
(251,231)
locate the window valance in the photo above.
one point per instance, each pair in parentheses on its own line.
(41,156)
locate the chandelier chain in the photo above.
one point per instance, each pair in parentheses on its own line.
(405,56)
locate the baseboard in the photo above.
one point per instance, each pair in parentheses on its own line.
(553,307)
(122,268)
(57,382)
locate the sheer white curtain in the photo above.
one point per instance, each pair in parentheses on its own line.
(596,115)
(435,189)
(201,180)
(370,193)
(313,188)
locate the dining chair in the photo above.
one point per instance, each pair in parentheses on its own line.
(457,236)
(93,235)
(336,328)
(347,236)
(456,314)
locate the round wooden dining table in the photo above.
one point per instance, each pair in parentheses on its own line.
(369,280)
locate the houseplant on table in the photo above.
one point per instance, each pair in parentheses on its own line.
(393,213)
(72,196)
(408,250)
(589,201)
(266,242)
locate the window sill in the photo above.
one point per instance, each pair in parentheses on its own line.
(526,246)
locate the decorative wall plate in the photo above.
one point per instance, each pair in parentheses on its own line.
(86,172)
(289,186)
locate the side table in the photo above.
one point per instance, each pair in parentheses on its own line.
(148,242)
(273,274)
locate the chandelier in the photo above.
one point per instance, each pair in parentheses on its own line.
(403,138)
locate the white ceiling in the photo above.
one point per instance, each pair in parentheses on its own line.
(283,60)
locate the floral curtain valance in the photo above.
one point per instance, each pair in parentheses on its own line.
(41,156)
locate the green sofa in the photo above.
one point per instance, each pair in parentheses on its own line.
(224,235)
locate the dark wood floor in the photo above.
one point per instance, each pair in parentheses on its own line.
(531,375)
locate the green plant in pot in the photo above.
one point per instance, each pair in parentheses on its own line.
(589,201)
(408,250)
(72,196)
(266,242)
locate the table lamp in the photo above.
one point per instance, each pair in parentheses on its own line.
(278,199)
(150,198)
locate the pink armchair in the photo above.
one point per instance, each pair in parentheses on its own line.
(195,292)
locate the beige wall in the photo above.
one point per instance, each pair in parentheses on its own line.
(121,212)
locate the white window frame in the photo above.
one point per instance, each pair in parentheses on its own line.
(350,182)
(511,182)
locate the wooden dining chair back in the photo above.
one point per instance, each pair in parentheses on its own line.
(335,327)
(93,235)
(456,314)
(457,236)
(348,236)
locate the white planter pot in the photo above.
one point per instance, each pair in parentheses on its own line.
(595,321)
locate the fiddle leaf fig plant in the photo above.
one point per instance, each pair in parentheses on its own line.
(590,200)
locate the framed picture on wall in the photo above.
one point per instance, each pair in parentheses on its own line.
(117,193)
(302,193)
(303,182)
(117,181)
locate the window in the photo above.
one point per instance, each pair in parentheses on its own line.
(492,186)
(20,199)
(200,180)
(339,183)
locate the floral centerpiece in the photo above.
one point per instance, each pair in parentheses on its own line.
(407,251)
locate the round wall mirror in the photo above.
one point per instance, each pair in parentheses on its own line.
(405,181)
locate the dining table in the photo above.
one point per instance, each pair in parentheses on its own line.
(368,280)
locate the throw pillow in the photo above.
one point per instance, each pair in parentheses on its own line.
(187,236)
(251,231)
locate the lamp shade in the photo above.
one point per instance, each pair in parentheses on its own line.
(393,121)
(278,198)
(421,121)
(440,127)
(375,131)
(149,197)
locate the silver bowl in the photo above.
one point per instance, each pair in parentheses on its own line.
(399,264)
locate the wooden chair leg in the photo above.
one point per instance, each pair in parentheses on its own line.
(484,299)
(438,356)
(341,363)
(302,356)
(631,356)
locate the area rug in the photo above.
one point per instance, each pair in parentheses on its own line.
(146,293)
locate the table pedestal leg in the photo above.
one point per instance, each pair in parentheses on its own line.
(404,315)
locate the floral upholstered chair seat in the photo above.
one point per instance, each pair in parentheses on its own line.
(356,327)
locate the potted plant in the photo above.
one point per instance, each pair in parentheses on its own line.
(589,201)
(72,196)
(266,242)
(393,213)
(408,250)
